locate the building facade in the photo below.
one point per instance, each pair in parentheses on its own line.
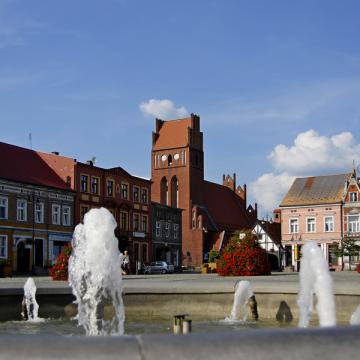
(167,234)
(268,234)
(323,209)
(210,211)
(127,197)
(36,211)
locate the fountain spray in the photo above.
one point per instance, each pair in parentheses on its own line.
(243,296)
(95,273)
(315,279)
(30,306)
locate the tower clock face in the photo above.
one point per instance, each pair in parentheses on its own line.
(163,158)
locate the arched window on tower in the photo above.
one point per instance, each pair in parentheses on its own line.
(164,193)
(174,192)
(169,160)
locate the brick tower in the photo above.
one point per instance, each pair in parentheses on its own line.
(177,173)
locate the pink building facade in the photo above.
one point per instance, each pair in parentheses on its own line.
(321,223)
(316,208)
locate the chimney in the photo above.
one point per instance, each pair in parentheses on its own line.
(234,182)
(55,153)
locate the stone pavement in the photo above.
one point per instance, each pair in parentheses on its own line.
(344,283)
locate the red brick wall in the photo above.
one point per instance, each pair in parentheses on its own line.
(189,170)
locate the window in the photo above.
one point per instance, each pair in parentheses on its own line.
(176,231)
(144,223)
(136,222)
(164,196)
(136,193)
(83,211)
(21,210)
(169,160)
(310,225)
(294,226)
(66,216)
(84,183)
(167,229)
(3,247)
(353,223)
(109,187)
(39,212)
(329,223)
(95,185)
(3,207)
(144,195)
(193,220)
(124,222)
(353,196)
(125,190)
(158,229)
(56,210)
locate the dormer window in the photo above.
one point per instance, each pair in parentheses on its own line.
(353,196)
(169,160)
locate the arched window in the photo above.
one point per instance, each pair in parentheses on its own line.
(164,196)
(169,160)
(174,192)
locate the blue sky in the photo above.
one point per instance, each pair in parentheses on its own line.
(276,83)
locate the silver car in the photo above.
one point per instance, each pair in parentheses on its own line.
(159,267)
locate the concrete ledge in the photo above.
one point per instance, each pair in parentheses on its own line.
(302,344)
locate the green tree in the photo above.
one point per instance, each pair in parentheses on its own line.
(349,246)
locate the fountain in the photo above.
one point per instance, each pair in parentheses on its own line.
(243,296)
(29,304)
(355,317)
(95,273)
(315,279)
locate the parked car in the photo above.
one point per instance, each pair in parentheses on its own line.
(159,267)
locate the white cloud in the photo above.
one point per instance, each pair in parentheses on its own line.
(269,188)
(311,154)
(162,109)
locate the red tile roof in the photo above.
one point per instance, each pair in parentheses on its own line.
(26,166)
(316,190)
(173,134)
(225,207)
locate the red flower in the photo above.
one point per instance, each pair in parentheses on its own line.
(243,257)
(60,269)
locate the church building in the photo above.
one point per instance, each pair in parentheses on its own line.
(211,212)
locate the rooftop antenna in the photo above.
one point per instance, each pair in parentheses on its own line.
(30,140)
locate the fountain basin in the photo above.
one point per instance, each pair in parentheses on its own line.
(201,296)
(305,344)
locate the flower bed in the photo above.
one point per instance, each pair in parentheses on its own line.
(243,257)
(60,269)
